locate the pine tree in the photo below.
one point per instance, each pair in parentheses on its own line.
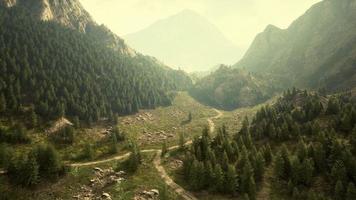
(209,175)
(333,107)
(113,148)
(218,178)
(308,166)
(88,151)
(2,103)
(76,122)
(353,141)
(34,118)
(296,194)
(194,175)
(259,167)
(267,154)
(339,191)
(338,172)
(251,190)
(230,180)
(31,170)
(302,151)
(48,160)
(246,175)
(351,192)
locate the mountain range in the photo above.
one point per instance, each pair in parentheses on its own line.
(316,50)
(186,40)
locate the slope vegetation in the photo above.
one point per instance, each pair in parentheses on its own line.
(317,50)
(60,71)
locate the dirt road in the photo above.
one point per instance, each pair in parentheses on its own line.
(157,162)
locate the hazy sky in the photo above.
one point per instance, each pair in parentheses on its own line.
(239,20)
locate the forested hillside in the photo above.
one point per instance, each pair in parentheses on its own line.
(59,71)
(307,142)
(316,50)
(229,88)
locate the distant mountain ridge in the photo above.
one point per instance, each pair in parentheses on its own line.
(186,40)
(317,50)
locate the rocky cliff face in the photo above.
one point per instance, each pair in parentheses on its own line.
(317,50)
(70,13)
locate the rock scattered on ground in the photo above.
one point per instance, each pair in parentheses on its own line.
(154,137)
(140,117)
(175,164)
(147,195)
(102,179)
(58,125)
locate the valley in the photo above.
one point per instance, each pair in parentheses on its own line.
(153,177)
(85,116)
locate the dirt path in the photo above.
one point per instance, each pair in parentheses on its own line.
(266,185)
(211,123)
(157,162)
(178,189)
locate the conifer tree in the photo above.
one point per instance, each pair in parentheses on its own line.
(88,151)
(339,191)
(2,103)
(351,191)
(113,148)
(230,180)
(259,167)
(218,178)
(246,175)
(31,170)
(353,141)
(33,118)
(251,190)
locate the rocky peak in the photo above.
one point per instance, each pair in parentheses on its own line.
(70,13)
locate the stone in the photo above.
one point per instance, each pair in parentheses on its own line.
(155,192)
(106,195)
(98,169)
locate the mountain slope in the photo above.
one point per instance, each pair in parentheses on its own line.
(61,71)
(71,14)
(229,88)
(317,50)
(186,40)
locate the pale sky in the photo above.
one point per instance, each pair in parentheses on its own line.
(239,20)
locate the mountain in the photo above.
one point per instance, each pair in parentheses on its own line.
(185,40)
(228,88)
(58,64)
(71,14)
(316,50)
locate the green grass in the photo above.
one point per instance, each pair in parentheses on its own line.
(170,120)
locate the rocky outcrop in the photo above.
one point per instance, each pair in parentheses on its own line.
(70,13)
(8,3)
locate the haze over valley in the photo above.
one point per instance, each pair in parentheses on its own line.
(172,100)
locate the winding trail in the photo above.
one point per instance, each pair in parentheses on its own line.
(158,161)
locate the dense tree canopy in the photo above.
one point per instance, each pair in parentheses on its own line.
(63,72)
